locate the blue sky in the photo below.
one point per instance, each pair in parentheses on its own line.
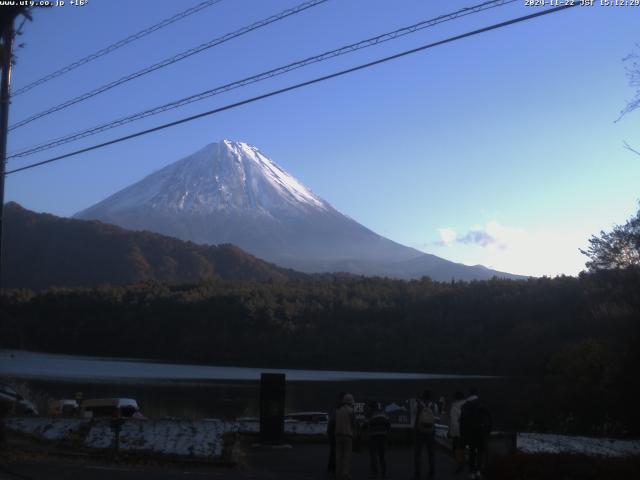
(500,149)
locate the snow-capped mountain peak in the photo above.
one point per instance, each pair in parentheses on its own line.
(274,174)
(230,192)
(223,176)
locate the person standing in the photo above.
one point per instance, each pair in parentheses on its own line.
(475,427)
(425,433)
(378,427)
(454,430)
(331,434)
(344,432)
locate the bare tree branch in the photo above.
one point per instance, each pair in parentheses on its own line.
(632,70)
(630,148)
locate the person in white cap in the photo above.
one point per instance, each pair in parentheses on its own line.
(345,429)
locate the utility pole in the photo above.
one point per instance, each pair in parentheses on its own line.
(7,44)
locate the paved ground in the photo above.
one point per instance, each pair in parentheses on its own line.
(297,462)
(309,461)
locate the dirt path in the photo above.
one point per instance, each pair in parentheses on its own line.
(305,461)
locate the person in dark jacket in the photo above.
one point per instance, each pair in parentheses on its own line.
(331,433)
(425,433)
(475,427)
(378,426)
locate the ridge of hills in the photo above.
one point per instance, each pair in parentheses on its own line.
(42,250)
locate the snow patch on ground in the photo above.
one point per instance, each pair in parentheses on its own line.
(204,438)
(193,438)
(199,438)
(291,427)
(551,443)
(47,428)
(100,436)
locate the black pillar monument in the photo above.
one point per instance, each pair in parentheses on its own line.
(272,396)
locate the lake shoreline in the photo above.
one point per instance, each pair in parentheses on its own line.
(46,366)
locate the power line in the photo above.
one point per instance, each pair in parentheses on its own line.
(296,86)
(259,77)
(170,61)
(114,46)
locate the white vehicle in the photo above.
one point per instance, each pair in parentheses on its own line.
(110,407)
(8,394)
(63,408)
(14,402)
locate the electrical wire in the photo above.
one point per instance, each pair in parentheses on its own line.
(296,86)
(259,77)
(115,46)
(170,61)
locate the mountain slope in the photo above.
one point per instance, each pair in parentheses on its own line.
(42,250)
(229,192)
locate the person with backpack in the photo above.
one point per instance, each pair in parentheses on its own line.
(344,432)
(425,433)
(378,426)
(475,427)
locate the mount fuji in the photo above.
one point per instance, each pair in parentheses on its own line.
(230,192)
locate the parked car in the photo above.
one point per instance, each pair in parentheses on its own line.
(8,394)
(64,408)
(14,402)
(110,407)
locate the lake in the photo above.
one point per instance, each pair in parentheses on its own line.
(202,391)
(24,364)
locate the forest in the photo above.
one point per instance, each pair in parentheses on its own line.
(42,250)
(579,337)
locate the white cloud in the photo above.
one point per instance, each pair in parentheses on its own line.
(447,236)
(517,250)
(478,237)
(475,236)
